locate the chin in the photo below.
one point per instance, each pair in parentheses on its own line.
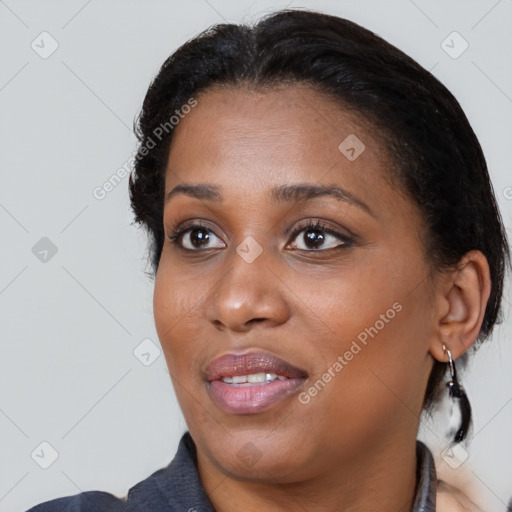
(256,455)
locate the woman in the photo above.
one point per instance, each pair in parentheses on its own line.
(326,245)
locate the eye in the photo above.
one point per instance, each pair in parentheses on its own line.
(195,237)
(315,236)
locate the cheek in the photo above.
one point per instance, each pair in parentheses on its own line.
(364,292)
(176,308)
(177,322)
(376,341)
(376,390)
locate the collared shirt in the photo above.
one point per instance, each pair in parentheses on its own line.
(177,487)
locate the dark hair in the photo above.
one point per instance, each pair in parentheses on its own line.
(436,156)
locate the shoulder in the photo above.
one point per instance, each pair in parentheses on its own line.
(149,495)
(172,488)
(451,499)
(146,496)
(96,501)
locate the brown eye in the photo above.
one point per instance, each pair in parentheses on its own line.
(315,236)
(199,237)
(196,237)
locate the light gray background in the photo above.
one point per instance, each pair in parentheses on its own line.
(70,324)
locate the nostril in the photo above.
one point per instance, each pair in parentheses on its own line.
(218,324)
(256,320)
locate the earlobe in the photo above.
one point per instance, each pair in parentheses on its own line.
(462,300)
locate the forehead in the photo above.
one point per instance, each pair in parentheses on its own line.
(281,134)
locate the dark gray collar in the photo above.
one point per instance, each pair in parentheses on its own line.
(179,487)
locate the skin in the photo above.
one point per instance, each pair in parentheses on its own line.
(352,447)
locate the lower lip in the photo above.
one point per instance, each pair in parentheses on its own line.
(252,399)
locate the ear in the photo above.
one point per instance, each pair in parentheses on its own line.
(461,299)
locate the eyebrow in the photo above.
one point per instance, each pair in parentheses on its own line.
(203,191)
(283,193)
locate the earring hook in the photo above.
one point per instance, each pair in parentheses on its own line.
(451,366)
(457,391)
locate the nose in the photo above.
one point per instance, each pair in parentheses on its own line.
(248,294)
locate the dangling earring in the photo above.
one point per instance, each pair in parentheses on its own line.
(457,391)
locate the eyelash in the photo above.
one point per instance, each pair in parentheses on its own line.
(175,235)
(318,226)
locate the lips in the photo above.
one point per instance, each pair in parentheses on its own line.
(231,365)
(253,395)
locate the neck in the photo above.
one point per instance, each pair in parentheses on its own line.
(383,479)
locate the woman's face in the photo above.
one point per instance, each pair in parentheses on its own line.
(295,310)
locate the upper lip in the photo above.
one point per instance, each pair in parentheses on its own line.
(231,364)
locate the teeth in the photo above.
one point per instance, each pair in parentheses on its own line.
(261,377)
(253,378)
